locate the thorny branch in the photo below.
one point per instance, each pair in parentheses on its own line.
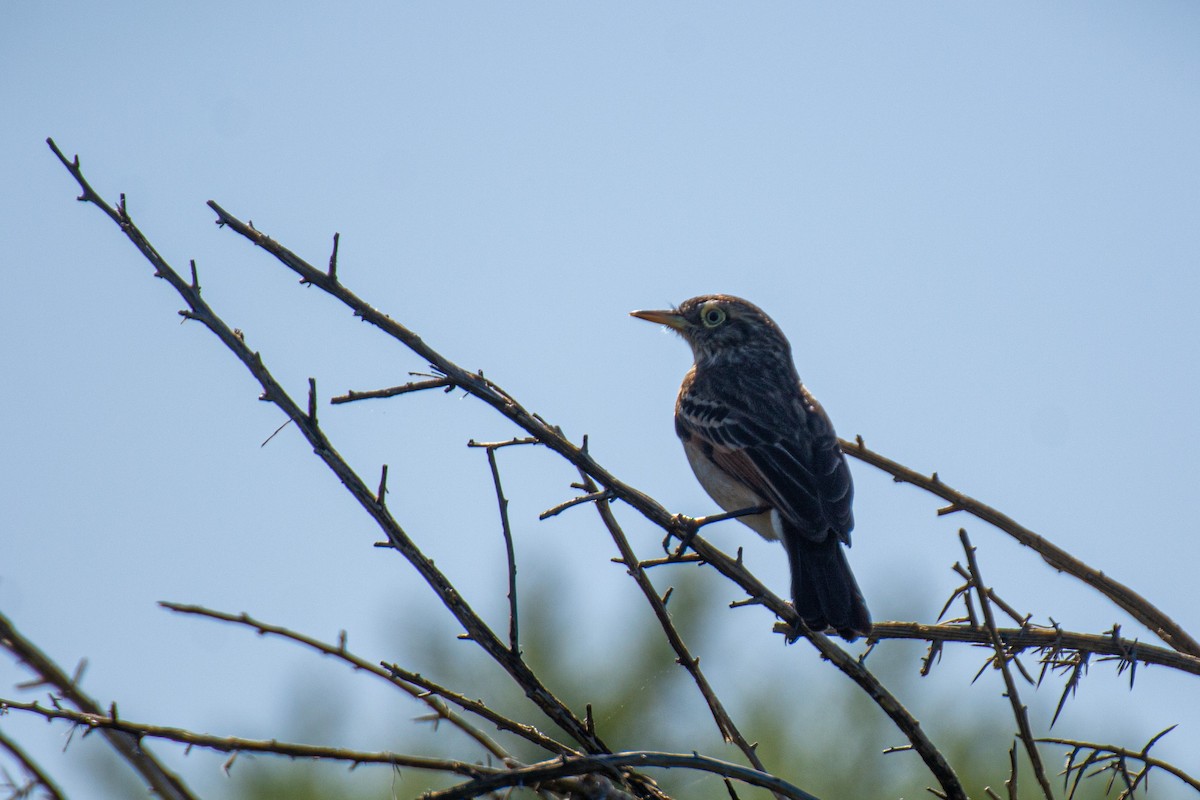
(484,778)
(398,538)
(605,487)
(422,693)
(551,437)
(1137,606)
(233,744)
(1051,640)
(729,731)
(852,667)
(1116,760)
(166,783)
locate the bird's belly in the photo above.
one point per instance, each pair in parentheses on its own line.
(731,494)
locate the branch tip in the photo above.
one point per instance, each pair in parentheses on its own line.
(333,257)
(381,493)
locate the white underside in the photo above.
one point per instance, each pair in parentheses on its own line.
(732,495)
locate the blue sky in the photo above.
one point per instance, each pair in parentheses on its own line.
(976,222)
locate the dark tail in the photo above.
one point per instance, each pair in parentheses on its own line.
(824,590)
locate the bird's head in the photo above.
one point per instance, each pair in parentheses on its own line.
(720,325)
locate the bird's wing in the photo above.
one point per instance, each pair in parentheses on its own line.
(788,455)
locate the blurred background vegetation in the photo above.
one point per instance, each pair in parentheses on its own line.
(814,728)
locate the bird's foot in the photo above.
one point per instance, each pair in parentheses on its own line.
(689,528)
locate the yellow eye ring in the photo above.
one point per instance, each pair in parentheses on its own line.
(712,316)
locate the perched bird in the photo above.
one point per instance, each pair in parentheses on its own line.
(755,437)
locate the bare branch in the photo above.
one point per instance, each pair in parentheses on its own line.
(527,732)
(162,780)
(414,386)
(1139,607)
(607,487)
(686,558)
(850,666)
(729,730)
(536,774)
(37,775)
(399,540)
(1040,638)
(551,437)
(339,651)
(510,554)
(233,744)
(507,443)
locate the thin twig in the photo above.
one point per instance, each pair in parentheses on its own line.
(234,744)
(340,652)
(509,552)
(516,440)
(1002,658)
(1143,755)
(1015,615)
(415,386)
(333,257)
(527,732)
(590,497)
(31,767)
(686,558)
(725,724)
(1011,783)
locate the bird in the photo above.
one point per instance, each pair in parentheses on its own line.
(759,442)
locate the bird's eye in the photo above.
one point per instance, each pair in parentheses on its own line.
(712,316)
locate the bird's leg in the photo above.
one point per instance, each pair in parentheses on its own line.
(749,511)
(689,528)
(800,629)
(691,525)
(794,632)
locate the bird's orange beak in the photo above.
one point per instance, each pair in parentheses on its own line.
(672,319)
